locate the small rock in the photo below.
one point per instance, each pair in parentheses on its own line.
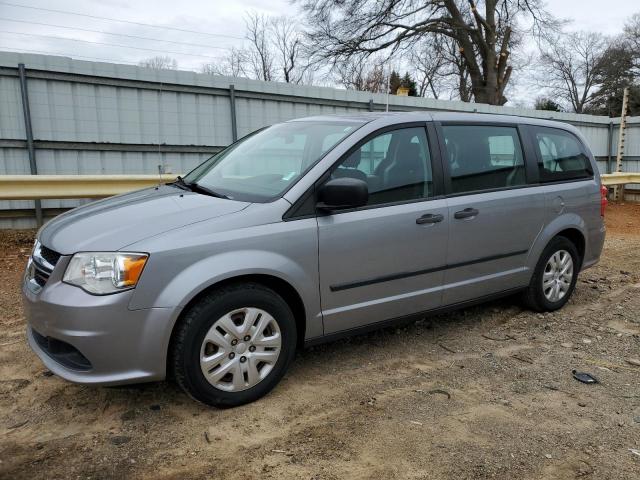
(120,440)
(633,361)
(566,345)
(636,419)
(586,340)
(47,373)
(154,407)
(548,455)
(582,404)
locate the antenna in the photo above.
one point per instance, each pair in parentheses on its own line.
(160,172)
(388,84)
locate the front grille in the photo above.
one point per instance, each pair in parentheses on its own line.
(44,261)
(49,255)
(62,352)
(40,275)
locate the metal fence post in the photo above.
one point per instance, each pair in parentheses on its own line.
(371,104)
(234,126)
(609,146)
(33,167)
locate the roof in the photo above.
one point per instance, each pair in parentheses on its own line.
(438,116)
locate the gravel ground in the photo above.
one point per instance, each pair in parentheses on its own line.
(485,392)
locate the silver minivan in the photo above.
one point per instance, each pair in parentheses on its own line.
(306,231)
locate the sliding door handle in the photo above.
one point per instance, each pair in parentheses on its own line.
(466,213)
(429,218)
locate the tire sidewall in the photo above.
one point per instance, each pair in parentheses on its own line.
(264,299)
(557,244)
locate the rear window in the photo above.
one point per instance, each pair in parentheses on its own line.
(560,156)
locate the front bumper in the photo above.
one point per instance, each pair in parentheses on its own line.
(119,345)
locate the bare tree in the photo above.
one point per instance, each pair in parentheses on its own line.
(288,43)
(570,64)
(275,50)
(441,69)
(631,38)
(484,39)
(233,64)
(160,62)
(260,55)
(361,73)
(632,31)
(430,66)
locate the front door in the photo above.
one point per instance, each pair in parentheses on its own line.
(384,260)
(494,215)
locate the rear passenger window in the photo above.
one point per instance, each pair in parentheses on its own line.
(483,157)
(561,156)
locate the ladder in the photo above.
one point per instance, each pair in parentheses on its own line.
(618,190)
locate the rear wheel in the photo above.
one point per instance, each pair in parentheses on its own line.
(234,345)
(555,276)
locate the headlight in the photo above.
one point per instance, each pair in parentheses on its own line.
(105,272)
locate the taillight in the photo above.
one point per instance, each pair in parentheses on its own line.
(604,191)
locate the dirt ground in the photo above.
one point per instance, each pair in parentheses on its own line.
(486,392)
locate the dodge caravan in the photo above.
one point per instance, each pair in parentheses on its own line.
(305,231)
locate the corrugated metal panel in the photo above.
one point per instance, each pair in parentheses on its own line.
(632,139)
(11,117)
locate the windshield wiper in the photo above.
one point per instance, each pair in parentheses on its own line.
(194,187)
(180,183)
(199,188)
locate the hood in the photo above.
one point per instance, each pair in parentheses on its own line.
(113,223)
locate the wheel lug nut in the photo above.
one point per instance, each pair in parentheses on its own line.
(252,348)
(243,359)
(234,342)
(247,338)
(231,355)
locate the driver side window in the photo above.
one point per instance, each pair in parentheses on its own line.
(396,166)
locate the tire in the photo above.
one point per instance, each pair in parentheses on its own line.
(237,363)
(542,299)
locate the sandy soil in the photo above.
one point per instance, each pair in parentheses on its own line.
(485,392)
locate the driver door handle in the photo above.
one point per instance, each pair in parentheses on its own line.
(466,213)
(429,218)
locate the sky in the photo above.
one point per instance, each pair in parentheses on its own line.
(201,31)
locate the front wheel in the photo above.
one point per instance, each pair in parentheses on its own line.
(234,345)
(555,276)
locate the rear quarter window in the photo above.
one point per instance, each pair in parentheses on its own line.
(561,156)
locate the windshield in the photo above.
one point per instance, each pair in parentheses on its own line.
(263,165)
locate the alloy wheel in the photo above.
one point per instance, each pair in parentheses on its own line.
(557,276)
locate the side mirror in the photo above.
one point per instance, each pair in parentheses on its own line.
(342,193)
